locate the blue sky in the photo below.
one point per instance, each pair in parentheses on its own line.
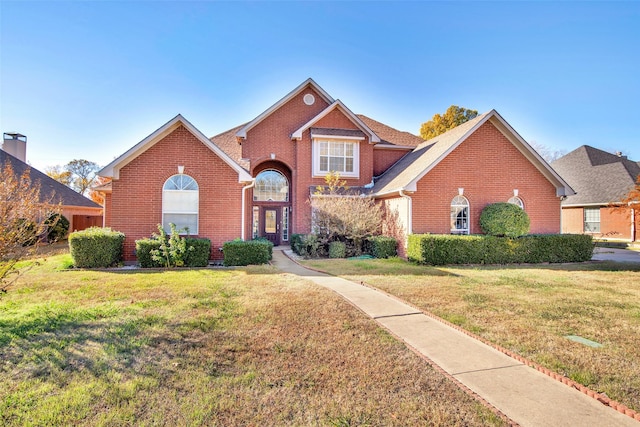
(89,79)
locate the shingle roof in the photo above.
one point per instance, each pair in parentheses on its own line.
(228,142)
(597,177)
(390,135)
(48,186)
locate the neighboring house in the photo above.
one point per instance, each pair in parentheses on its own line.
(79,210)
(601,180)
(257,178)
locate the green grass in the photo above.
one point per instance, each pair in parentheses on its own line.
(530,310)
(246,346)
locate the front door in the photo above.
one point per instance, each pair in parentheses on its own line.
(271,225)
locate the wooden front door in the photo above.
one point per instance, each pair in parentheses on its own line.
(271,225)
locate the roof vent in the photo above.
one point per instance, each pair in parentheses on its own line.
(309,99)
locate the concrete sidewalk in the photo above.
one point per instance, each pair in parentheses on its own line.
(525,395)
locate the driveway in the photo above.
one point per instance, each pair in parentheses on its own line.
(612,254)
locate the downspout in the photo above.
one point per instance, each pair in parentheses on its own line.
(409,216)
(244,199)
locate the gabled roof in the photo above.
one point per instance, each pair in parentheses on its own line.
(48,186)
(228,142)
(337,105)
(598,177)
(242,132)
(113,168)
(405,174)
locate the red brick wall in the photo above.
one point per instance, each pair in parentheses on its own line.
(614,223)
(273,136)
(383,159)
(489,168)
(136,202)
(107,210)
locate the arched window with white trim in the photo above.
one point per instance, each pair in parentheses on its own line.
(460,215)
(180,203)
(271,186)
(515,200)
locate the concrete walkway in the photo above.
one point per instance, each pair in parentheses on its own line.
(525,395)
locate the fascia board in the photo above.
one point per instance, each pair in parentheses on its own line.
(113,169)
(337,104)
(414,182)
(562,187)
(242,133)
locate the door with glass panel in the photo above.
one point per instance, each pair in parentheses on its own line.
(271,225)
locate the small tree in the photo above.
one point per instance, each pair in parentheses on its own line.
(83,173)
(25,217)
(339,214)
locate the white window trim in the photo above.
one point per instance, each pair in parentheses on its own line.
(466,230)
(346,140)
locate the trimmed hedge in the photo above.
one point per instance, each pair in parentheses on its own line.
(337,249)
(238,252)
(96,247)
(504,219)
(196,257)
(552,248)
(383,246)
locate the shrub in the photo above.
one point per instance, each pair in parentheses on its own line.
(197,255)
(57,227)
(96,247)
(383,246)
(337,249)
(238,252)
(445,249)
(144,248)
(307,245)
(296,243)
(199,252)
(504,219)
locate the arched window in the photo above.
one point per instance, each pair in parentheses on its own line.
(515,200)
(271,186)
(459,215)
(180,198)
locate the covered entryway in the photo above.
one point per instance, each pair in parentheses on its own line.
(271,206)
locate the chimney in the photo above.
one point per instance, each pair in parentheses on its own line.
(16,145)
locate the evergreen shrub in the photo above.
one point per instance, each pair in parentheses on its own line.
(238,252)
(96,247)
(383,246)
(504,219)
(337,249)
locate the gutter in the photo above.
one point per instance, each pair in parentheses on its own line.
(244,199)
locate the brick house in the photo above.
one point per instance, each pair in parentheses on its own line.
(81,211)
(601,180)
(257,178)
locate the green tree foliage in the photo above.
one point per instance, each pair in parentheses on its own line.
(504,220)
(439,124)
(26,215)
(83,173)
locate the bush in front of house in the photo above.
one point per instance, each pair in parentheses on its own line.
(504,220)
(238,252)
(337,249)
(197,254)
(307,245)
(383,246)
(96,247)
(479,249)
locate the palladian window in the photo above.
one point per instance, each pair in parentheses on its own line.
(180,199)
(271,186)
(459,215)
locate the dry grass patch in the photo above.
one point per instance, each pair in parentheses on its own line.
(207,347)
(530,310)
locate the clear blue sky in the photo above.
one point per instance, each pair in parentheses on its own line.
(89,79)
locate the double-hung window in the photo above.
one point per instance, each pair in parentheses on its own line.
(334,155)
(592,220)
(180,202)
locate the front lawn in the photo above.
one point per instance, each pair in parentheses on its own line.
(247,346)
(530,310)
